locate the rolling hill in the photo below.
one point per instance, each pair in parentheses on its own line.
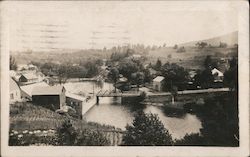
(230,39)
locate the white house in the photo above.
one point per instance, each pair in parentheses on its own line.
(218,75)
(15,91)
(158,82)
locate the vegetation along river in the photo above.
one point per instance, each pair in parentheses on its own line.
(110,111)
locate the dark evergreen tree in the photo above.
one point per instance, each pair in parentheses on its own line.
(146,130)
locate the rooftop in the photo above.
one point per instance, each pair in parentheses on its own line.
(214,71)
(158,79)
(29,88)
(50,90)
(13,85)
(30,75)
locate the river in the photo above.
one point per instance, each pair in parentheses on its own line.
(110,111)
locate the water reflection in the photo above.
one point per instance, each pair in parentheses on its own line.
(110,111)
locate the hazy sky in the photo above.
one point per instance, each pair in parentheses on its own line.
(85,24)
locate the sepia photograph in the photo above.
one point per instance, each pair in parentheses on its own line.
(124,74)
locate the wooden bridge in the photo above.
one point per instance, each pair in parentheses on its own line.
(108,93)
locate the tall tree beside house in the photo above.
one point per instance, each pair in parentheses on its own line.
(231,75)
(146,130)
(205,78)
(114,76)
(138,78)
(127,67)
(13,65)
(62,74)
(208,62)
(175,76)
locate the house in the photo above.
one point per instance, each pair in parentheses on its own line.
(28,78)
(51,97)
(218,75)
(76,102)
(15,91)
(26,90)
(192,74)
(158,83)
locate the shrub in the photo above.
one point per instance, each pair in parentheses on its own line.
(92,138)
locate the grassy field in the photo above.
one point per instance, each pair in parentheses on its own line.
(26,116)
(193,57)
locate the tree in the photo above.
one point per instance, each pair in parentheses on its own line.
(204,78)
(146,130)
(231,75)
(201,44)
(175,46)
(158,64)
(13,65)
(181,49)
(175,75)
(127,67)
(92,69)
(138,78)
(219,116)
(208,62)
(114,76)
(223,45)
(66,134)
(62,73)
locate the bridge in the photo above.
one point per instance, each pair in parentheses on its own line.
(189,93)
(108,93)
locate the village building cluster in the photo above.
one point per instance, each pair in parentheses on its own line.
(28,84)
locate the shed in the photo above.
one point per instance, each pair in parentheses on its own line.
(158,83)
(52,97)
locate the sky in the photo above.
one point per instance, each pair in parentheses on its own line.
(97,24)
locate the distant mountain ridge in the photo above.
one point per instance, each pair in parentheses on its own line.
(230,39)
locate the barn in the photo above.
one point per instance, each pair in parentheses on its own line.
(51,97)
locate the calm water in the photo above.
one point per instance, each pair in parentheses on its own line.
(110,111)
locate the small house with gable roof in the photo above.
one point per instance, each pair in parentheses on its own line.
(158,83)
